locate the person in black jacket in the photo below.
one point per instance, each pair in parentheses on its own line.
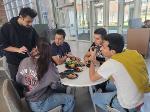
(18,38)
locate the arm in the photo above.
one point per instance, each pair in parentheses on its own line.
(5,41)
(59,60)
(21,50)
(93,74)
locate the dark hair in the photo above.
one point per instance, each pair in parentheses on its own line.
(116,42)
(27,11)
(61,32)
(44,49)
(101,31)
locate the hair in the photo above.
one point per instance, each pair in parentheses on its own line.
(44,49)
(101,31)
(27,11)
(116,42)
(61,32)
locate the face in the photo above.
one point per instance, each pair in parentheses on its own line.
(35,52)
(97,39)
(106,50)
(59,39)
(26,21)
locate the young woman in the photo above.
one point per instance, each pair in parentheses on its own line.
(40,76)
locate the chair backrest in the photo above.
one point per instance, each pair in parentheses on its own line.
(11,96)
(138,39)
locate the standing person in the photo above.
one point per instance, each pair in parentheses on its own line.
(17,37)
(40,77)
(60,49)
(128,71)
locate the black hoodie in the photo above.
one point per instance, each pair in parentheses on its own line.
(15,35)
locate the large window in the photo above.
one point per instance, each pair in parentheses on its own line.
(13,7)
(128,12)
(145,10)
(99,14)
(113,13)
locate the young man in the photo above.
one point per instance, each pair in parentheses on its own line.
(128,71)
(17,37)
(98,39)
(60,49)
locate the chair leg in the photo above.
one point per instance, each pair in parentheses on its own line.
(91,94)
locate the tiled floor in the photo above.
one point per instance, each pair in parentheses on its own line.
(83,100)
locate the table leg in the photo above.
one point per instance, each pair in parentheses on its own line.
(91,93)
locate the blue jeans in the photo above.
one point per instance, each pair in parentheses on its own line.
(54,100)
(103,100)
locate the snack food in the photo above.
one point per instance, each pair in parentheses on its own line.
(72,76)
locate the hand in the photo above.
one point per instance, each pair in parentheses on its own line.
(22,50)
(93,54)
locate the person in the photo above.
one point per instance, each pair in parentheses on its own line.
(39,76)
(146,24)
(98,39)
(17,37)
(61,49)
(127,69)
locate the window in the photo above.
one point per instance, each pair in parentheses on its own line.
(113,13)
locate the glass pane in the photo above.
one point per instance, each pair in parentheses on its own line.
(83,19)
(113,13)
(143,10)
(128,13)
(148,11)
(129,0)
(99,12)
(14,7)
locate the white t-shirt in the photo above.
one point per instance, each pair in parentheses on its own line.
(127,92)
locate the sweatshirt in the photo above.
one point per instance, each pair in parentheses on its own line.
(15,35)
(35,89)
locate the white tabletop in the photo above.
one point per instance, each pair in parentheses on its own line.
(83,79)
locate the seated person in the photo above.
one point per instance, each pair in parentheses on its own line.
(146,24)
(60,49)
(98,39)
(39,76)
(128,71)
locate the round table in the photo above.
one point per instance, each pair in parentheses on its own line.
(83,79)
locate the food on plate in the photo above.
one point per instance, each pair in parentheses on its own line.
(72,76)
(78,69)
(73,64)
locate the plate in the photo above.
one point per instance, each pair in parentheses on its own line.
(72,76)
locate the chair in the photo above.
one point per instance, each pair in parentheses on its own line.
(13,101)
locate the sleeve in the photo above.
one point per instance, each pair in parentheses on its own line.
(19,76)
(68,47)
(34,38)
(55,78)
(106,69)
(4,37)
(53,50)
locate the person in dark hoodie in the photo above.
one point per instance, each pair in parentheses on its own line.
(40,78)
(17,38)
